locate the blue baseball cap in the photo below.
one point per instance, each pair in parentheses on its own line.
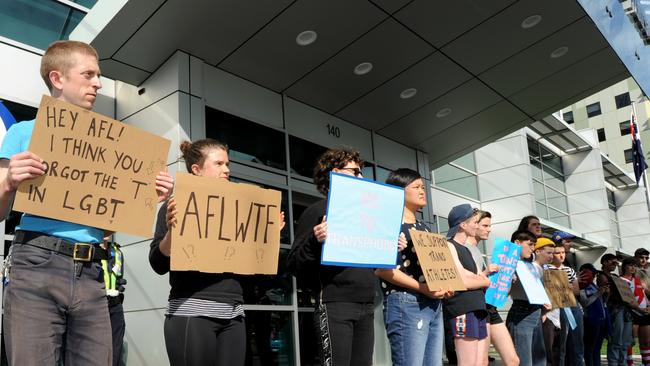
(458,215)
(558,236)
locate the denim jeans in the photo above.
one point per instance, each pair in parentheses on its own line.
(575,351)
(415,329)
(48,296)
(524,325)
(620,338)
(595,331)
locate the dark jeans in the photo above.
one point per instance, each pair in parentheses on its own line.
(575,351)
(594,335)
(555,342)
(351,333)
(48,296)
(118,326)
(199,341)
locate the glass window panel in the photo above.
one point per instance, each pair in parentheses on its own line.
(467,186)
(601,135)
(305,291)
(37,22)
(536,169)
(539,191)
(611,200)
(541,210)
(443,225)
(309,355)
(449,173)
(382,174)
(268,289)
(248,141)
(625,128)
(468,162)
(559,202)
(593,110)
(568,117)
(629,155)
(554,180)
(269,335)
(533,148)
(558,217)
(369,171)
(551,160)
(303,156)
(87,3)
(622,100)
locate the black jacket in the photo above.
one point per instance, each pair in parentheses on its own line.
(347,284)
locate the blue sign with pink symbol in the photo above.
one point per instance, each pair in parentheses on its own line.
(364,219)
(506,255)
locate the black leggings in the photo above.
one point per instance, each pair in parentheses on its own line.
(205,341)
(350,333)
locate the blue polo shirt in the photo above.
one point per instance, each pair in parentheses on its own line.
(17,140)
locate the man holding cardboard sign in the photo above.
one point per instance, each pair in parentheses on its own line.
(52,259)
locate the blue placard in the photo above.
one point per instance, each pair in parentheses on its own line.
(532,283)
(364,219)
(506,255)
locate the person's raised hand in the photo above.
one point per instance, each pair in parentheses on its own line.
(23,166)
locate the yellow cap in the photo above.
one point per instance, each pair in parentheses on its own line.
(543,242)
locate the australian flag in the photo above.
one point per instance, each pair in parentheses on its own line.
(6,120)
(638,159)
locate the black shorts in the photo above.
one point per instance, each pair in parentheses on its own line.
(640,319)
(493,315)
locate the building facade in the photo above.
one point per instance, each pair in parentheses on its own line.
(609,112)
(546,169)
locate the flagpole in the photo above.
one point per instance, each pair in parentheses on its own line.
(645,174)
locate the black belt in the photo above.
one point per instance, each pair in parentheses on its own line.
(83,252)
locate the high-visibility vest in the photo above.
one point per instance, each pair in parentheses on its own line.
(113,270)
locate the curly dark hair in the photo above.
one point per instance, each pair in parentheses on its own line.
(333,159)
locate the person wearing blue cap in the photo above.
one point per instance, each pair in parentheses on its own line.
(466,312)
(563,238)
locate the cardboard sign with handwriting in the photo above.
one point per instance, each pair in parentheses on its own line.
(225,227)
(624,290)
(436,261)
(558,288)
(100,172)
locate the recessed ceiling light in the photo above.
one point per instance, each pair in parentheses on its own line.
(559,52)
(306,38)
(408,93)
(363,68)
(531,21)
(443,112)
